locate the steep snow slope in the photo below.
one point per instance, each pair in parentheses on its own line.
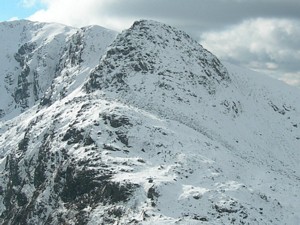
(36,58)
(160,133)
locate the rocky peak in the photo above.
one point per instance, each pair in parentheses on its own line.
(154,54)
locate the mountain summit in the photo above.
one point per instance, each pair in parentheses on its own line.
(143,127)
(157,55)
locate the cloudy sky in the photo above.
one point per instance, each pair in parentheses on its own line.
(263,35)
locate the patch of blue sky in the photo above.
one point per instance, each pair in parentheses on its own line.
(16,9)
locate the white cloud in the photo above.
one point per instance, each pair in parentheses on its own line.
(291,78)
(13,18)
(268,45)
(80,13)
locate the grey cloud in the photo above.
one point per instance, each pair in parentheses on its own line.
(267,45)
(205,14)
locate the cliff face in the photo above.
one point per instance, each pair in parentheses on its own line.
(41,62)
(158,131)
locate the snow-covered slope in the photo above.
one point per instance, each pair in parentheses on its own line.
(36,58)
(159,132)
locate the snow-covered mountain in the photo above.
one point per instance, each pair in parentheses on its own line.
(40,61)
(146,127)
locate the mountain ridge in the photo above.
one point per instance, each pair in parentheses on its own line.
(212,145)
(44,53)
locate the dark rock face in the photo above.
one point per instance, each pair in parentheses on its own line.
(37,180)
(71,56)
(22,92)
(76,183)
